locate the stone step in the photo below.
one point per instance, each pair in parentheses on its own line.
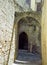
(25,64)
(18,62)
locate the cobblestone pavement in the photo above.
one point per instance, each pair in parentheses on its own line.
(26,58)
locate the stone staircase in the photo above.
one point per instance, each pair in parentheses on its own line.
(26,58)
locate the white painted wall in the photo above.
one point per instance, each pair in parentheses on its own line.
(23,4)
(38,1)
(33,5)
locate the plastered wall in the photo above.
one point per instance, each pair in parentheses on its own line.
(6,25)
(44,33)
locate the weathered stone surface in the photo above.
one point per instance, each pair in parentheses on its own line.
(6,25)
(8,35)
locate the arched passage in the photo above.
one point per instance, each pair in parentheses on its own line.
(30,24)
(23,41)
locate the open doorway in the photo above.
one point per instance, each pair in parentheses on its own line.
(23,41)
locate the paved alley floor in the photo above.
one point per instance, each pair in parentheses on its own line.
(27,58)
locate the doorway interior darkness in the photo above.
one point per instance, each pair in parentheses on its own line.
(23,41)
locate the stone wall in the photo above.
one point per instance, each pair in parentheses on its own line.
(32,28)
(25,26)
(6,25)
(8,34)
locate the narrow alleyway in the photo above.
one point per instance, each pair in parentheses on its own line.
(24,57)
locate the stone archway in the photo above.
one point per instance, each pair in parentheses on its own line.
(32,27)
(26,20)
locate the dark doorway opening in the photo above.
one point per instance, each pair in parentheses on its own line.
(23,41)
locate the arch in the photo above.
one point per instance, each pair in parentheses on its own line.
(23,41)
(19,16)
(32,22)
(29,19)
